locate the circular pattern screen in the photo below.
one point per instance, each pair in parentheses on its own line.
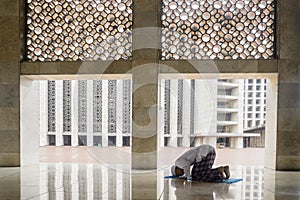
(79,30)
(217,29)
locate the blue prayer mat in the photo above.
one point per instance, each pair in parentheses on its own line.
(228,181)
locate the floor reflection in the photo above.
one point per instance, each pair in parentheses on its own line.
(249,189)
(96,181)
(79,181)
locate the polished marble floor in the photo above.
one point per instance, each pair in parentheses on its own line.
(92,177)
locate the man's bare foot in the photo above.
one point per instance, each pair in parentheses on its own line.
(221,172)
(227,172)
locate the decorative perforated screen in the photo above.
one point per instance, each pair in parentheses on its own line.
(112,106)
(167,95)
(82,106)
(217,29)
(126,106)
(179,106)
(79,30)
(97,106)
(67,107)
(51,106)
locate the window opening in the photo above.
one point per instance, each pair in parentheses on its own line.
(79,30)
(224,29)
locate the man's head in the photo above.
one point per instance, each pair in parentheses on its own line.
(176,171)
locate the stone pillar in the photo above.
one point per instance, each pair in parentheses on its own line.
(104,113)
(89,113)
(288,115)
(43,109)
(119,107)
(146,44)
(74,112)
(10,48)
(59,113)
(173,112)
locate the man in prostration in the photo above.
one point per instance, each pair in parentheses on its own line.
(202,159)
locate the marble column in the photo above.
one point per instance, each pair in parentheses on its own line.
(89,113)
(43,109)
(104,113)
(59,113)
(288,115)
(119,117)
(146,39)
(173,112)
(146,44)
(74,113)
(10,54)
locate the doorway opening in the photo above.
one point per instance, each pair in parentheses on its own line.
(234,113)
(66,115)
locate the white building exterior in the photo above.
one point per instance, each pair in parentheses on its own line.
(255,103)
(192,112)
(85,112)
(230,112)
(206,111)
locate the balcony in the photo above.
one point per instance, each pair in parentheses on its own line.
(226,98)
(227,110)
(227,85)
(227,123)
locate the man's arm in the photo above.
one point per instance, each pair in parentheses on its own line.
(187,172)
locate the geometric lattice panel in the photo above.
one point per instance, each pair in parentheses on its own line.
(79,30)
(218,29)
(167,95)
(97,106)
(82,106)
(126,106)
(112,106)
(179,106)
(67,107)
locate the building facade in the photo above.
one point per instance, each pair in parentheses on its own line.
(85,112)
(255,98)
(98,112)
(210,111)
(254,103)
